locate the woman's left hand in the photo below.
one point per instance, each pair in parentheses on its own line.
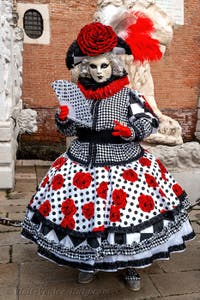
(121,130)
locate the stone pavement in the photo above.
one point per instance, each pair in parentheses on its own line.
(26,276)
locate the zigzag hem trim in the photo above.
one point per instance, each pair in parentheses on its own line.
(118,264)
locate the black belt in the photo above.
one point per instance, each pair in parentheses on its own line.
(86,135)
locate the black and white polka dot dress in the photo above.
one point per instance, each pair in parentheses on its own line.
(108,217)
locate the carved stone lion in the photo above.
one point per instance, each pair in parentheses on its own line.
(27,121)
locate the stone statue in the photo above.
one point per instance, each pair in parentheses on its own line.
(13,119)
(26,121)
(110,12)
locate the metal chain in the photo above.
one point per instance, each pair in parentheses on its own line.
(197,203)
(17,223)
(10,222)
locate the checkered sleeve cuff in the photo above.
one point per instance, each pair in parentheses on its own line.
(66,127)
(130,138)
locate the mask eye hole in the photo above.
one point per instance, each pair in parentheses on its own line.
(104,65)
(93,66)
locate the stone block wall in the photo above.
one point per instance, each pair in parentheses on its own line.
(8,149)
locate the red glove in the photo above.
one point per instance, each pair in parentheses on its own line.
(121,130)
(64,111)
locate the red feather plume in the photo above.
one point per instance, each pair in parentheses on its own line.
(138,37)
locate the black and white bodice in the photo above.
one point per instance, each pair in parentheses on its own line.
(96,145)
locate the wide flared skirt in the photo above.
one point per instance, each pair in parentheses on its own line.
(108,218)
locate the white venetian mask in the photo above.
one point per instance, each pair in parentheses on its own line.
(100,68)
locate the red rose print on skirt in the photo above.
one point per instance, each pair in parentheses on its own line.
(162,193)
(114,214)
(82,180)
(164,176)
(162,169)
(57,182)
(107,168)
(145,162)
(68,222)
(100,228)
(68,207)
(88,210)
(102,190)
(45,208)
(31,202)
(45,181)
(151,181)
(146,203)
(58,163)
(119,198)
(130,175)
(162,211)
(177,189)
(161,166)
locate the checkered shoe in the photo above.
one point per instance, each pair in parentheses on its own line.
(132,280)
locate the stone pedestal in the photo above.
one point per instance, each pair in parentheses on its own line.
(8,148)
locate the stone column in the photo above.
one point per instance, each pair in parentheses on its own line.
(11,47)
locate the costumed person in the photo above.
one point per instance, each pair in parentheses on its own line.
(107,204)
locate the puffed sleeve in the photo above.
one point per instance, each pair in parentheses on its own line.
(68,127)
(142,119)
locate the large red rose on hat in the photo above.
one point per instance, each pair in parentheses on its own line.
(96,38)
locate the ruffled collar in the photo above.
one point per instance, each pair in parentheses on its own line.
(97,91)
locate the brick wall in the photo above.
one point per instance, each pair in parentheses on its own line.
(176,77)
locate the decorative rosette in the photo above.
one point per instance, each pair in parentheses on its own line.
(96,38)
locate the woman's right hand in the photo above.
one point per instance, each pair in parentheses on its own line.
(64,111)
